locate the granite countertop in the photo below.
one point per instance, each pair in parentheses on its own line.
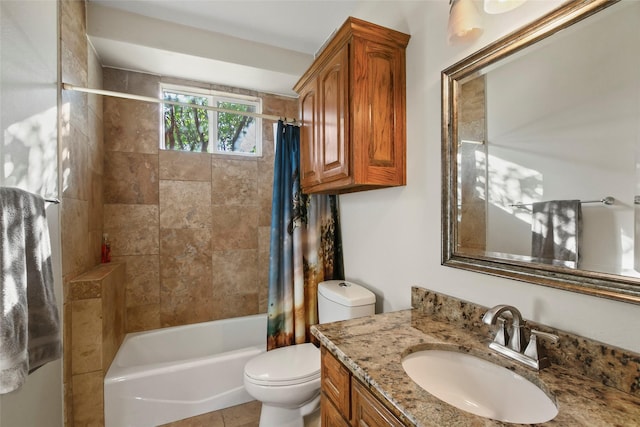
(372,349)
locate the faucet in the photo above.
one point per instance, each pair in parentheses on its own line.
(517,341)
(512,342)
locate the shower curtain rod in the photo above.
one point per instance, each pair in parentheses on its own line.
(67,86)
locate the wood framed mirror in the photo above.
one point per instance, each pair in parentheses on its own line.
(541,153)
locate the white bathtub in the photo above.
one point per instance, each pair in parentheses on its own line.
(173,373)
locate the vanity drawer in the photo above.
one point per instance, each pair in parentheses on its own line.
(335,382)
(368,411)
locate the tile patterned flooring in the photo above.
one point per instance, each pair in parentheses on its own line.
(245,415)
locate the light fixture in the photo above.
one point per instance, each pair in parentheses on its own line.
(465,22)
(501,6)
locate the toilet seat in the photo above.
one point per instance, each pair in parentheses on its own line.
(295,364)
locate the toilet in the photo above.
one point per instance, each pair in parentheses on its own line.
(287,380)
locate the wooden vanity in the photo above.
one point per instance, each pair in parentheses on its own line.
(364,384)
(346,401)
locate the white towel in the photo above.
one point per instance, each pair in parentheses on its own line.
(29,321)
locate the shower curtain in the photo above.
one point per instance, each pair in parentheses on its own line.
(306,246)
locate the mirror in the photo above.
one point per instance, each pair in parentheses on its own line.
(541,153)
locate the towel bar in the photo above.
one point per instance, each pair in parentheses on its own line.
(608,200)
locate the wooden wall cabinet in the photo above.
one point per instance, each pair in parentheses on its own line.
(353,111)
(346,402)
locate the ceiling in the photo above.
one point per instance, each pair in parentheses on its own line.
(262,45)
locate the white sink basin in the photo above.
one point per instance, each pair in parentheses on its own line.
(480,387)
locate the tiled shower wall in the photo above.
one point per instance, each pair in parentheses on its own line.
(193,228)
(81,169)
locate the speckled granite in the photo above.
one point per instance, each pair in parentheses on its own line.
(373,348)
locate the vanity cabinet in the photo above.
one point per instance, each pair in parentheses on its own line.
(353,112)
(345,401)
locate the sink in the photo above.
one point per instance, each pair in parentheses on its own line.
(479,386)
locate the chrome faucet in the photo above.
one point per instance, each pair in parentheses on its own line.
(517,339)
(511,341)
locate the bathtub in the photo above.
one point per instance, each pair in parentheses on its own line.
(173,373)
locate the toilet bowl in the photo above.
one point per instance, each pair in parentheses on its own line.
(287,380)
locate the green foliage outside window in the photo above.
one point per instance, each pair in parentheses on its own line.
(186,128)
(191,129)
(231,127)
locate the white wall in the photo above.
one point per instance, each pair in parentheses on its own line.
(569,131)
(392,236)
(29,159)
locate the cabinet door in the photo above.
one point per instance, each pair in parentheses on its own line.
(309,161)
(368,411)
(335,382)
(329,414)
(379,103)
(333,89)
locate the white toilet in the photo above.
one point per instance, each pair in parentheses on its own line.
(287,380)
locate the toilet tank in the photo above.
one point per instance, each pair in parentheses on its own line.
(342,300)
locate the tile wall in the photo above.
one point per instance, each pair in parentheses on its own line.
(96,301)
(81,168)
(193,228)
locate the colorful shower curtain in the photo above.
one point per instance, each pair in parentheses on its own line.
(306,246)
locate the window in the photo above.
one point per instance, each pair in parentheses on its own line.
(195,129)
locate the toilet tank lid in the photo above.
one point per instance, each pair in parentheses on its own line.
(346,293)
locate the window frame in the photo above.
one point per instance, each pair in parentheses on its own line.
(215,96)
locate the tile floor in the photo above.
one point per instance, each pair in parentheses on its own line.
(245,415)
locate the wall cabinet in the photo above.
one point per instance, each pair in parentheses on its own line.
(346,402)
(353,111)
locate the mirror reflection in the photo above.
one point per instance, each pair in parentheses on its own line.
(547,151)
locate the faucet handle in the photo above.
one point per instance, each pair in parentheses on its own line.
(533,349)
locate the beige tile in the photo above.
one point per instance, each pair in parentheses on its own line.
(264,235)
(76,244)
(75,164)
(143,318)
(95,77)
(68,403)
(67,369)
(74,112)
(185,166)
(130,178)
(247,414)
(185,253)
(71,65)
(96,145)
(88,407)
(86,335)
(96,203)
(131,82)
(235,283)
(85,290)
(185,204)
(235,272)
(73,27)
(234,182)
(132,229)
(210,419)
(131,126)
(185,300)
(113,314)
(235,227)
(265,191)
(143,279)
(279,106)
